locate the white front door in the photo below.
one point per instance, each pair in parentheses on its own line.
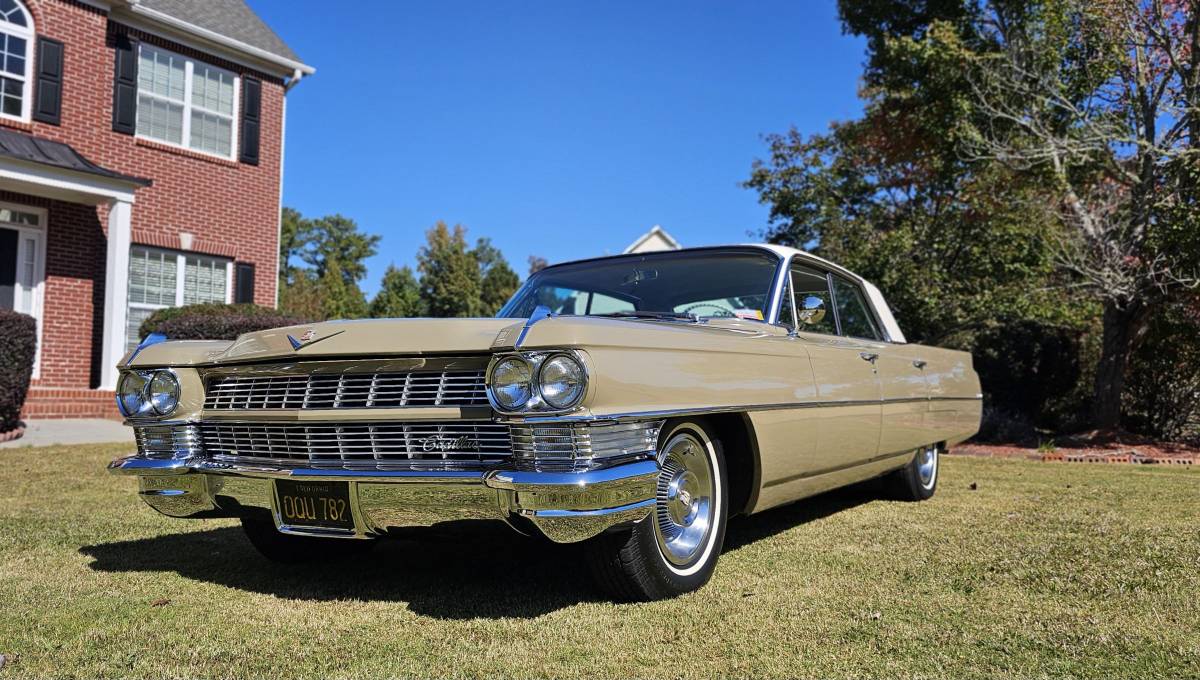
(23,264)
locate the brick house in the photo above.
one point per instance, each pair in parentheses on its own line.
(141,150)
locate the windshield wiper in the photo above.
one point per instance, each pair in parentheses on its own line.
(634,314)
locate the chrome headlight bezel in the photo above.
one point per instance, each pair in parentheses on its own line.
(536,403)
(579,389)
(163,392)
(497,388)
(131,395)
(149,393)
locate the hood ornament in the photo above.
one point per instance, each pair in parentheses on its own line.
(306,338)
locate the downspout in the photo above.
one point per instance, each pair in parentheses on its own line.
(297,76)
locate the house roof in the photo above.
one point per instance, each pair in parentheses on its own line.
(229,18)
(656,233)
(25,147)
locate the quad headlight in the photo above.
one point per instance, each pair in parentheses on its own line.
(537,381)
(561,381)
(147,393)
(511,383)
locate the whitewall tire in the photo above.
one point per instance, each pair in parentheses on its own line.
(673,550)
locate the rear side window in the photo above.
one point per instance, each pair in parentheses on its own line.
(853,311)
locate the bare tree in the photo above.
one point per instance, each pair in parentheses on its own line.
(1106,112)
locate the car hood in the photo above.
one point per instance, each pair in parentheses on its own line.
(439,337)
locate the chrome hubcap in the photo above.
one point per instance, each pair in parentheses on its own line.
(684,512)
(927,465)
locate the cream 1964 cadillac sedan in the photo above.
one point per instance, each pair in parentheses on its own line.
(633,402)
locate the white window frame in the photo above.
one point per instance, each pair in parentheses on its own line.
(186,135)
(180,277)
(26,232)
(28,33)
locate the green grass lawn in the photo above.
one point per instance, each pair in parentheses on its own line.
(1043,570)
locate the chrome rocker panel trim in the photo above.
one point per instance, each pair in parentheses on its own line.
(564,506)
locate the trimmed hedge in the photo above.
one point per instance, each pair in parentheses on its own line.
(18,347)
(213,321)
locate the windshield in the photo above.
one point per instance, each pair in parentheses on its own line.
(704,284)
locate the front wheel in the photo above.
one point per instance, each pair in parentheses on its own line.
(674,550)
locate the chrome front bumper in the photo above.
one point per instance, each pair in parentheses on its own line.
(565,506)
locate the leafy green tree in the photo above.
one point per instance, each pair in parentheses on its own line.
(399,295)
(293,239)
(340,298)
(450,278)
(1099,100)
(308,250)
(337,238)
(497,280)
(537,264)
(301,296)
(960,247)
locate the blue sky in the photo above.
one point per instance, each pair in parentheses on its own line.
(563,129)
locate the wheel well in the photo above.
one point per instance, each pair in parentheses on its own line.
(740,447)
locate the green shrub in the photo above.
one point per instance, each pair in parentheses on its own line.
(1035,377)
(1162,387)
(18,347)
(213,321)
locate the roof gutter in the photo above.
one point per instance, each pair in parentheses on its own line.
(212,36)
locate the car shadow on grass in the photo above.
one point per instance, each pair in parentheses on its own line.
(458,571)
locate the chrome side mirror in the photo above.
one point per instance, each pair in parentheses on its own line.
(811,310)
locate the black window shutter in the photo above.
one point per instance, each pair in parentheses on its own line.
(47,98)
(251,119)
(125,85)
(244,284)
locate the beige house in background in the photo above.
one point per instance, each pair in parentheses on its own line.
(655,239)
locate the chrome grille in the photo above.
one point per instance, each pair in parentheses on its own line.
(358,446)
(346,390)
(571,446)
(167,441)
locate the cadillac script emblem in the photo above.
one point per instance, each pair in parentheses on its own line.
(442,444)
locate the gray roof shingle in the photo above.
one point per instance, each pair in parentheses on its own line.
(231,18)
(26,147)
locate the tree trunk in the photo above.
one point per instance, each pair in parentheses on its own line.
(1116,346)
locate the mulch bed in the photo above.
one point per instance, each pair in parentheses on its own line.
(1091,449)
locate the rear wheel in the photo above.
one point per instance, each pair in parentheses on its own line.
(917,481)
(290,549)
(674,550)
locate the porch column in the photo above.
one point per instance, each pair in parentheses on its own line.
(116,290)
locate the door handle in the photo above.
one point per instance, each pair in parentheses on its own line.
(868,356)
(919,363)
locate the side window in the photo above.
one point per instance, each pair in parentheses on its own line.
(811,286)
(853,311)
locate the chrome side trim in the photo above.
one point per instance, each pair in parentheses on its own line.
(835,468)
(672,413)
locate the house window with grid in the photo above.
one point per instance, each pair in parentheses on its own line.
(163,278)
(186,103)
(16,60)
